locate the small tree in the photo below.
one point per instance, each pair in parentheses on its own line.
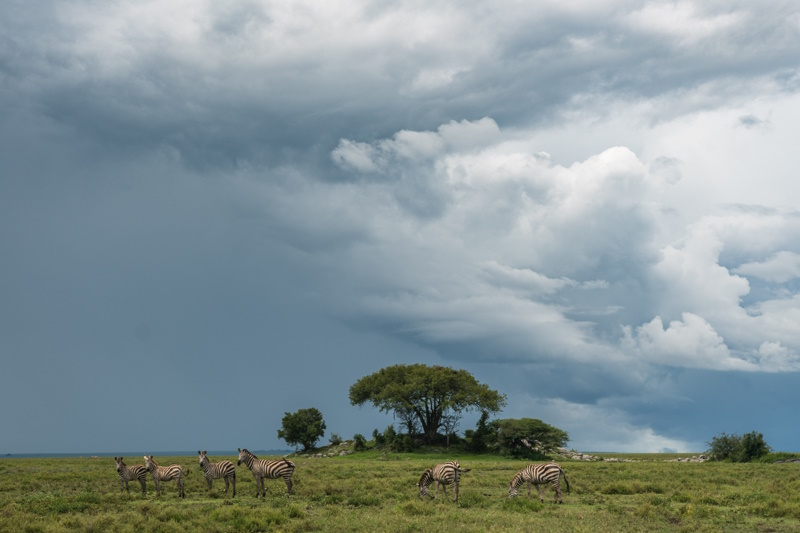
(482,436)
(305,427)
(528,437)
(724,447)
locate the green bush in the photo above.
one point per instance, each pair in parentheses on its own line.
(738,448)
(359,442)
(528,437)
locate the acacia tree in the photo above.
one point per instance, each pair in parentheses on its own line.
(305,427)
(428,393)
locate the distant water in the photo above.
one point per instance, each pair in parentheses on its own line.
(212,453)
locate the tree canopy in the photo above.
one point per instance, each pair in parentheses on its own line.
(528,437)
(425,393)
(305,427)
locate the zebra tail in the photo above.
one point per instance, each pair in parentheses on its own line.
(565,478)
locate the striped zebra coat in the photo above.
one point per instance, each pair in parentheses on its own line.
(266,469)
(446,473)
(129,473)
(538,474)
(165,473)
(223,469)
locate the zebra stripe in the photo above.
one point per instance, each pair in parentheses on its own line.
(129,473)
(448,473)
(223,469)
(538,474)
(165,473)
(262,468)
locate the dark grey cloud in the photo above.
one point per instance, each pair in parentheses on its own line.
(246,209)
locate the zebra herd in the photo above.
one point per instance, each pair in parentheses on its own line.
(223,470)
(448,473)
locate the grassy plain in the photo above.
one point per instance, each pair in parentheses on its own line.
(372,491)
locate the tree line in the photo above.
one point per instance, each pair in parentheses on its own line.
(429,401)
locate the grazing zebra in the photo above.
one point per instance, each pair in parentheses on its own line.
(129,473)
(165,473)
(537,474)
(446,473)
(223,469)
(267,469)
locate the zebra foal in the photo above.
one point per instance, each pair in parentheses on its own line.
(223,469)
(538,474)
(165,473)
(448,473)
(262,468)
(129,473)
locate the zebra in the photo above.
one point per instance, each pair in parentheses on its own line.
(538,474)
(223,469)
(266,469)
(129,473)
(448,473)
(165,473)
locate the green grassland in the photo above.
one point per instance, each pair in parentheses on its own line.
(374,491)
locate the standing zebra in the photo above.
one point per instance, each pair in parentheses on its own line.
(267,469)
(223,469)
(537,474)
(129,473)
(165,473)
(448,473)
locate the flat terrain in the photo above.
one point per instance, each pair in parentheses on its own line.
(372,491)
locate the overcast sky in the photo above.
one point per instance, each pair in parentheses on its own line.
(212,213)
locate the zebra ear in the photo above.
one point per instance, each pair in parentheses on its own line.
(204,452)
(199,452)
(240,450)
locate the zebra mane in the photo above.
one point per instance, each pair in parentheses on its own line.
(517,480)
(248,452)
(425,475)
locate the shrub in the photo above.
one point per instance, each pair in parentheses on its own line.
(359,442)
(737,448)
(528,437)
(335,439)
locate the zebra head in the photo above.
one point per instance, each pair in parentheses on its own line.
(424,484)
(201,456)
(513,487)
(120,464)
(242,455)
(150,463)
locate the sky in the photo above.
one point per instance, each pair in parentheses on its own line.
(212,214)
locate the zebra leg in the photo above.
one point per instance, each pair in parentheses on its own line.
(233,480)
(181,494)
(289,484)
(539,492)
(558,492)
(158,487)
(123,483)
(226,485)
(144,487)
(436,495)
(455,489)
(529,488)
(208,480)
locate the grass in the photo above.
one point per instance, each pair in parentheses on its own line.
(373,491)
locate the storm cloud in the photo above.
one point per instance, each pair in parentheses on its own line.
(232,211)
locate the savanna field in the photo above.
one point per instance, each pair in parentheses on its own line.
(374,491)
